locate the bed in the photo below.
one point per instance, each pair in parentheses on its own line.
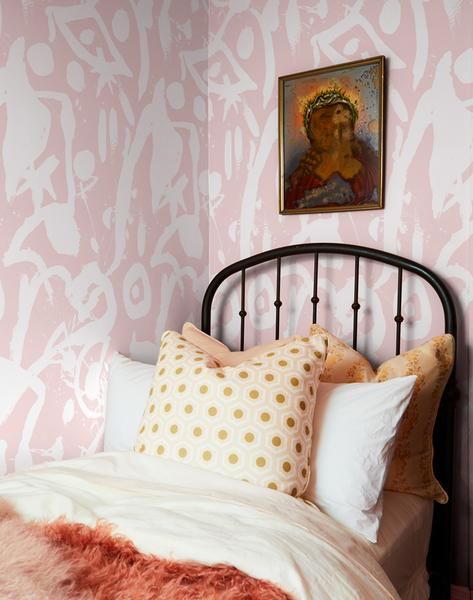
(274,513)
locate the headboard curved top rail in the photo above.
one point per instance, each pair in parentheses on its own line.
(440,543)
(329,248)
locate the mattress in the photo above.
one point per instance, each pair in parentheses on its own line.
(403,541)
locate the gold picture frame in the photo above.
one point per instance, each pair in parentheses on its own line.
(331,138)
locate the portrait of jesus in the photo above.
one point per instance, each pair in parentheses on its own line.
(336,165)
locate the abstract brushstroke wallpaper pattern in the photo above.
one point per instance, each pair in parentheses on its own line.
(104,223)
(139,146)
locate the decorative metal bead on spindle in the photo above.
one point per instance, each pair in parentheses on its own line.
(242,313)
(356,306)
(399,318)
(277,303)
(315,300)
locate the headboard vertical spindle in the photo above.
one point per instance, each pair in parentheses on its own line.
(315,299)
(242,312)
(356,305)
(277,302)
(399,318)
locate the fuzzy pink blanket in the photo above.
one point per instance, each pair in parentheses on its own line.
(71,561)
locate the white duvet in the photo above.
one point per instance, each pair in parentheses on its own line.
(181,512)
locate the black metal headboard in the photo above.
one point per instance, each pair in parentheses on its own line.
(440,544)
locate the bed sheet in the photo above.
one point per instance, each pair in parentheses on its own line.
(185,513)
(403,541)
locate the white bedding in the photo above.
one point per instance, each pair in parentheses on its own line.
(403,541)
(181,512)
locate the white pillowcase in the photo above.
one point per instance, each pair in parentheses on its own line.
(355,425)
(129,382)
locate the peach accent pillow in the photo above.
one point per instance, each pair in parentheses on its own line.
(222,353)
(343,364)
(411,469)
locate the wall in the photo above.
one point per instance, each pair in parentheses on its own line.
(103,222)
(429,159)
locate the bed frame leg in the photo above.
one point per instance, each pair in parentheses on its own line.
(439,586)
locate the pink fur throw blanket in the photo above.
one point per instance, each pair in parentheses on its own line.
(71,561)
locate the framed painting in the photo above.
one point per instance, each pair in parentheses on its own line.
(331,135)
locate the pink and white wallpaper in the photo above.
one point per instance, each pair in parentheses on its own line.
(139,144)
(429,154)
(104,226)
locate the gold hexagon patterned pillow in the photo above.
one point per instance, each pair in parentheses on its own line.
(251,422)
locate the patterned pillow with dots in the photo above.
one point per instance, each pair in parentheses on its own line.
(251,422)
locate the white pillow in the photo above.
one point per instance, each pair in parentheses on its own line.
(355,425)
(129,382)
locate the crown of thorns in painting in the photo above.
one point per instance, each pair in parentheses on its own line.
(327,98)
